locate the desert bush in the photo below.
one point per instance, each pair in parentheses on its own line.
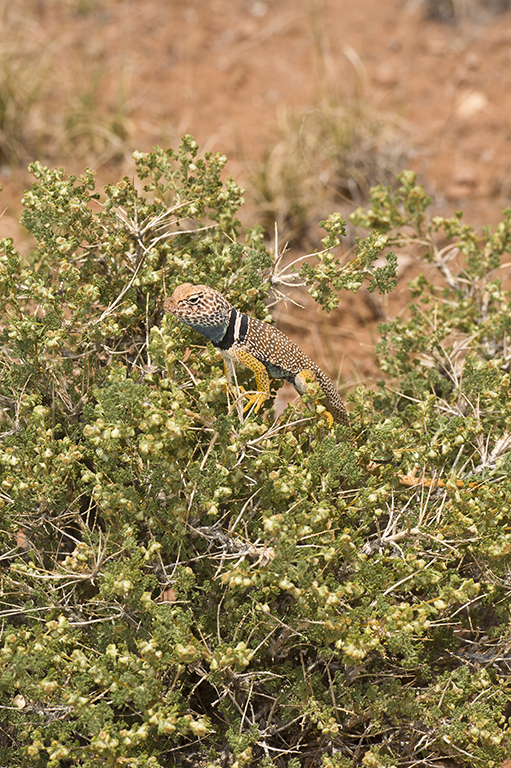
(331,153)
(323,156)
(182,586)
(460,10)
(52,103)
(24,66)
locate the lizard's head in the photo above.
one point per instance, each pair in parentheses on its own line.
(198,305)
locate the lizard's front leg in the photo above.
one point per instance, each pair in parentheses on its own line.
(258,397)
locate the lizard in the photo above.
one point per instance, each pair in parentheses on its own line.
(259,346)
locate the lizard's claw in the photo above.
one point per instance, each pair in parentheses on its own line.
(255,399)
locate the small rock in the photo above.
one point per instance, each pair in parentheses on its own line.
(472,60)
(259,9)
(470,104)
(457,192)
(466,176)
(385,74)
(464,184)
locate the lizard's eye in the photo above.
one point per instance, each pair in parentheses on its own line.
(194,299)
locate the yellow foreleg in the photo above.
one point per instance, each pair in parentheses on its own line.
(257,398)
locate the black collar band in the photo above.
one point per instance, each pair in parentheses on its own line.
(236,331)
(228,339)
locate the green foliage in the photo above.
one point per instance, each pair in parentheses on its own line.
(182,586)
(327,274)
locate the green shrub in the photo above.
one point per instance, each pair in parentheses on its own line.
(180,586)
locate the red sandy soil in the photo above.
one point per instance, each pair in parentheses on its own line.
(225,70)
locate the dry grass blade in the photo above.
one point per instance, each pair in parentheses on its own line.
(25,61)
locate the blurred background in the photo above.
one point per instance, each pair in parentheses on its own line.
(312,101)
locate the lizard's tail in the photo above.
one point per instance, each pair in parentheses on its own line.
(333,401)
